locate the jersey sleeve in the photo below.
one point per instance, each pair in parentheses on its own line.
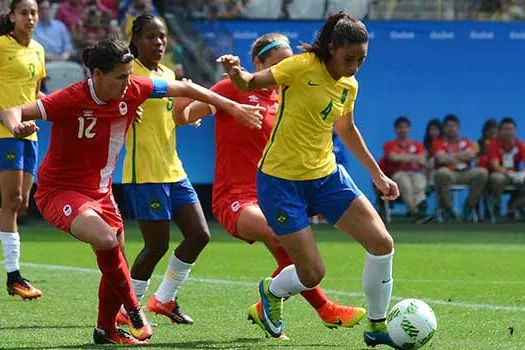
(437,146)
(146,88)
(492,151)
(420,149)
(285,71)
(57,106)
(351,98)
(387,149)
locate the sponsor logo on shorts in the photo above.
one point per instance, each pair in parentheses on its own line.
(10,156)
(282,219)
(123,108)
(236,206)
(67,210)
(155,204)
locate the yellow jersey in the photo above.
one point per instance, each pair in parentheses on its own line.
(151,154)
(21,68)
(310,101)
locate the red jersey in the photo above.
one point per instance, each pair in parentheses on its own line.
(509,158)
(238,148)
(408,147)
(462,144)
(87,135)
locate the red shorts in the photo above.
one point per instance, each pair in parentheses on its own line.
(228,210)
(60,208)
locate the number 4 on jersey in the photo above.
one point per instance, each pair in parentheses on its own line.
(326,111)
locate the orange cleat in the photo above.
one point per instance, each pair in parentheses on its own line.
(170,309)
(118,336)
(23,289)
(335,315)
(138,323)
(123,318)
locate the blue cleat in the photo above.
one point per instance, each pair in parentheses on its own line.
(377,334)
(272,309)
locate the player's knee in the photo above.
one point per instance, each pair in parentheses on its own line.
(383,245)
(443,175)
(200,238)
(13,201)
(106,242)
(313,275)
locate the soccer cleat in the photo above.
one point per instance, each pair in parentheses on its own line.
(123,318)
(272,309)
(170,309)
(335,315)
(255,314)
(119,336)
(376,333)
(138,323)
(23,288)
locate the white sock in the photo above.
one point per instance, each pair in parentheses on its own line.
(11,247)
(287,283)
(377,283)
(175,276)
(140,287)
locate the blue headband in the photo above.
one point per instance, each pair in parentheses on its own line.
(273,44)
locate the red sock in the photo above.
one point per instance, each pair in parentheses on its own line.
(113,266)
(316,296)
(108,306)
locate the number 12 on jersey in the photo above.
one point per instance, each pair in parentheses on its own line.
(84,131)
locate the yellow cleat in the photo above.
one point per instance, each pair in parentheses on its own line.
(254,315)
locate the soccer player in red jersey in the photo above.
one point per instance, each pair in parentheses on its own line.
(238,150)
(90,120)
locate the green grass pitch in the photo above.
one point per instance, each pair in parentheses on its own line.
(473,277)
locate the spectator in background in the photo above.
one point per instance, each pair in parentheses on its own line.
(509,10)
(93,26)
(454,156)
(268,9)
(70,12)
(405,160)
(138,8)
(175,56)
(4,6)
(306,9)
(357,8)
(507,157)
(433,131)
(489,133)
(53,35)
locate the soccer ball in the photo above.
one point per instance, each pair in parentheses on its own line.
(411,324)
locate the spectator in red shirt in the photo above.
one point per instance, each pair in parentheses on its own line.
(454,155)
(489,133)
(405,160)
(507,157)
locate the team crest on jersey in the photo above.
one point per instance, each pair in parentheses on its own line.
(155,205)
(10,156)
(253,99)
(67,210)
(282,219)
(123,108)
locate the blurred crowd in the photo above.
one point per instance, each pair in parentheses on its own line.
(488,168)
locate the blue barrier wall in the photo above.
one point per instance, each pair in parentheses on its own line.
(419,69)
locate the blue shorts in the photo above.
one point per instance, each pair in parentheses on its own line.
(18,154)
(287,204)
(156,202)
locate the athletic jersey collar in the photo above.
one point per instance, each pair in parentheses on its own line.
(159,70)
(93,94)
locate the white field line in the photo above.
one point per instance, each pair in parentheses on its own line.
(227,282)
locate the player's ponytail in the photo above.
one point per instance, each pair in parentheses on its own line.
(6,26)
(136,30)
(338,30)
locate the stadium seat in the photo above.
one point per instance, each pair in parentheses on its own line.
(490,202)
(62,74)
(456,206)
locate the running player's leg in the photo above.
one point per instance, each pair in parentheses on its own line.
(89,227)
(11,181)
(189,216)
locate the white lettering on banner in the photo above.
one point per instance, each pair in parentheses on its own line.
(514,35)
(372,35)
(245,35)
(482,35)
(291,35)
(403,35)
(442,35)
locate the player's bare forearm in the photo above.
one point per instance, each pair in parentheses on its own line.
(465,156)
(350,135)
(199,93)
(246,81)
(191,113)
(11,118)
(443,158)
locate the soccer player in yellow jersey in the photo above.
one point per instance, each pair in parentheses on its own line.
(22,68)
(298,174)
(156,187)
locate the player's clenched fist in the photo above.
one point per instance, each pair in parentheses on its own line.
(24,129)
